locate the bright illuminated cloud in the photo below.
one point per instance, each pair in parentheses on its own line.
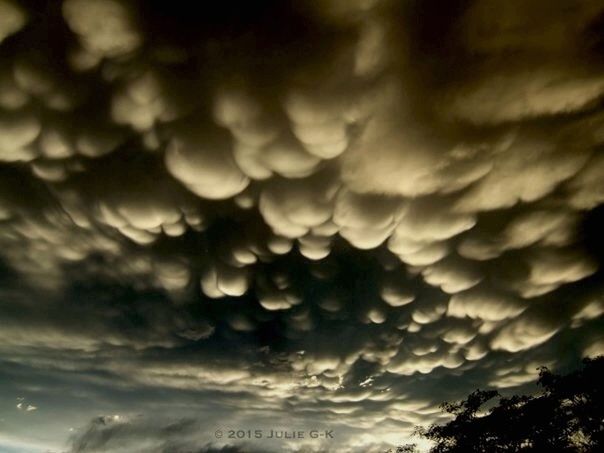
(342,213)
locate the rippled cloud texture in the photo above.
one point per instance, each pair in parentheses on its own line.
(330,214)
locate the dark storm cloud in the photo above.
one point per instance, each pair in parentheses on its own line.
(344,211)
(114,434)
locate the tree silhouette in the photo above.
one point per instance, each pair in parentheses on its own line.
(566,416)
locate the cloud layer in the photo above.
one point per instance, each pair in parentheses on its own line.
(337,212)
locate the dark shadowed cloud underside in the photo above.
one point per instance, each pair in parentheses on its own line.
(329,214)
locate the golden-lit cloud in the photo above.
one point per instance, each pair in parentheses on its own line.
(344,212)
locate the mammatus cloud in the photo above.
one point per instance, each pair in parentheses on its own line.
(336,213)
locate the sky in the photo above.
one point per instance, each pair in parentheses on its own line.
(221,220)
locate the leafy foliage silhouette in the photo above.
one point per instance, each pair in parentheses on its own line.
(566,416)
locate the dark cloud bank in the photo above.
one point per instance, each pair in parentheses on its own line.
(266,214)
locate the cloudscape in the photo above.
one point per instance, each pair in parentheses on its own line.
(325,217)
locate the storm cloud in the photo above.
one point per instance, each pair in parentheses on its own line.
(329,214)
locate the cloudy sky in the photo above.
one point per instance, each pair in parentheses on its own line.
(291,215)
